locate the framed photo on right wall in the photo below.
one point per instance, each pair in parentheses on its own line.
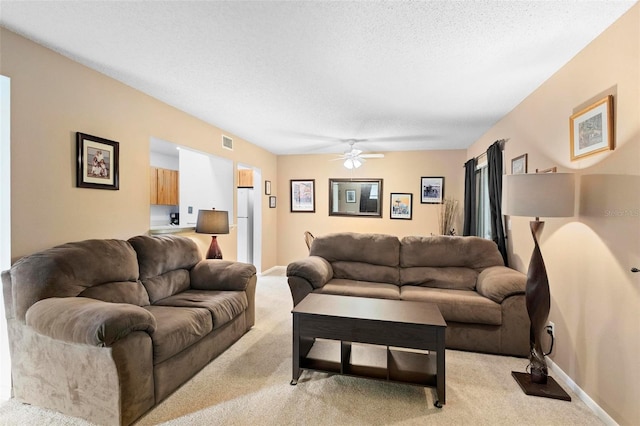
(591,130)
(431,190)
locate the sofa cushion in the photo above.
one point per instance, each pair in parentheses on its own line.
(167,284)
(69,269)
(454,278)
(360,288)
(376,249)
(164,253)
(438,251)
(132,292)
(359,271)
(177,329)
(222,305)
(165,262)
(457,305)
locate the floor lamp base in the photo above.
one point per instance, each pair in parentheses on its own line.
(551,389)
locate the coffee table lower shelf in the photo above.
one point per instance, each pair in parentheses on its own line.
(402,366)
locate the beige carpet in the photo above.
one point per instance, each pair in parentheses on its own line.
(249,385)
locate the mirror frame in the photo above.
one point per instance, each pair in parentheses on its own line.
(377,213)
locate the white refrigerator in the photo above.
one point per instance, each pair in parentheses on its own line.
(245,225)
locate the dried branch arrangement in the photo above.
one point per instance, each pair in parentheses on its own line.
(446,219)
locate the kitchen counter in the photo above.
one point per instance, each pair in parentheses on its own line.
(171,229)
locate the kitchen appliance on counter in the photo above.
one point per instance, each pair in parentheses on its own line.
(174,218)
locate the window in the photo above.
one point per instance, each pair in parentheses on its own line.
(483,213)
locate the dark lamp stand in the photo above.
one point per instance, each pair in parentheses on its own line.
(214,251)
(538,299)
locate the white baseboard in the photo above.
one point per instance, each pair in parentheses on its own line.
(275,270)
(602,415)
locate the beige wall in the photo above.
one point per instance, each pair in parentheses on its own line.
(53,97)
(595,299)
(400,171)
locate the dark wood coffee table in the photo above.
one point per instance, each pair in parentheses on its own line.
(390,323)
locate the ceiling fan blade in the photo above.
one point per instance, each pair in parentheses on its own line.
(371,156)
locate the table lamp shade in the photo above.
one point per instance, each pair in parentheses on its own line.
(212,222)
(539,195)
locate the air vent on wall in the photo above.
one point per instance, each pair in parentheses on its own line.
(227,142)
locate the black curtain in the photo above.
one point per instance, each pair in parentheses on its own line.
(470,219)
(494,165)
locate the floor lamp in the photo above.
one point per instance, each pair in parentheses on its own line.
(538,195)
(213,222)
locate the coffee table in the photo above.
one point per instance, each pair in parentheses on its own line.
(396,324)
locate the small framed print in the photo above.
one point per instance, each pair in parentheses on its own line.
(431,190)
(401,205)
(303,196)
(272,202)
(591,130)
(267,187)
(97,162)
(519,165)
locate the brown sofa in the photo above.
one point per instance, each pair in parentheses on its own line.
(482,301)
(106,329)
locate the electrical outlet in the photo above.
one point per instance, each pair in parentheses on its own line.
(551,327)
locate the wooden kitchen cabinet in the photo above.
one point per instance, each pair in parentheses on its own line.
(164,186)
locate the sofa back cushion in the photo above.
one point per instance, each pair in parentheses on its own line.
(362,257)
(101,269)
(164,263)
(448,251)
(450,277)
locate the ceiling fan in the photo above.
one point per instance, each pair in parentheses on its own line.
(353,157)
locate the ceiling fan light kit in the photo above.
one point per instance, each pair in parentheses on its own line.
(354,158)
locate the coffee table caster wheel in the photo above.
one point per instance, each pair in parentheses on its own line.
(293,382)
(437,404)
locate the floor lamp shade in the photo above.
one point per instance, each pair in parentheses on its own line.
(213,222)
(538,195)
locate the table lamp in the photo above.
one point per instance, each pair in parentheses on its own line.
(213,222)
(538,195)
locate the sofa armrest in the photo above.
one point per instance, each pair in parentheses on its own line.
(213,274)
(315,269)
(499,282)
(88,321)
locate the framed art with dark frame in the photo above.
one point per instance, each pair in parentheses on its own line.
(303,195)
(519,165)
(431,190)
(272,202)
(97,162)
(591,129)
(401,205)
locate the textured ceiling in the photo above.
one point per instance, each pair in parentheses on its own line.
(302,77)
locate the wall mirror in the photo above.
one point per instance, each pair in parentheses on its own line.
(355,197)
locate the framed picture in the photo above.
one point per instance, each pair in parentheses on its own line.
(591,130)
(97,162)
(272,202)
(431,190)
(401,205)
(267,187)
(519,165)
(350,195)
(303,196)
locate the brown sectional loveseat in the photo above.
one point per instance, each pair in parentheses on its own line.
(106,329)
(482,301)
